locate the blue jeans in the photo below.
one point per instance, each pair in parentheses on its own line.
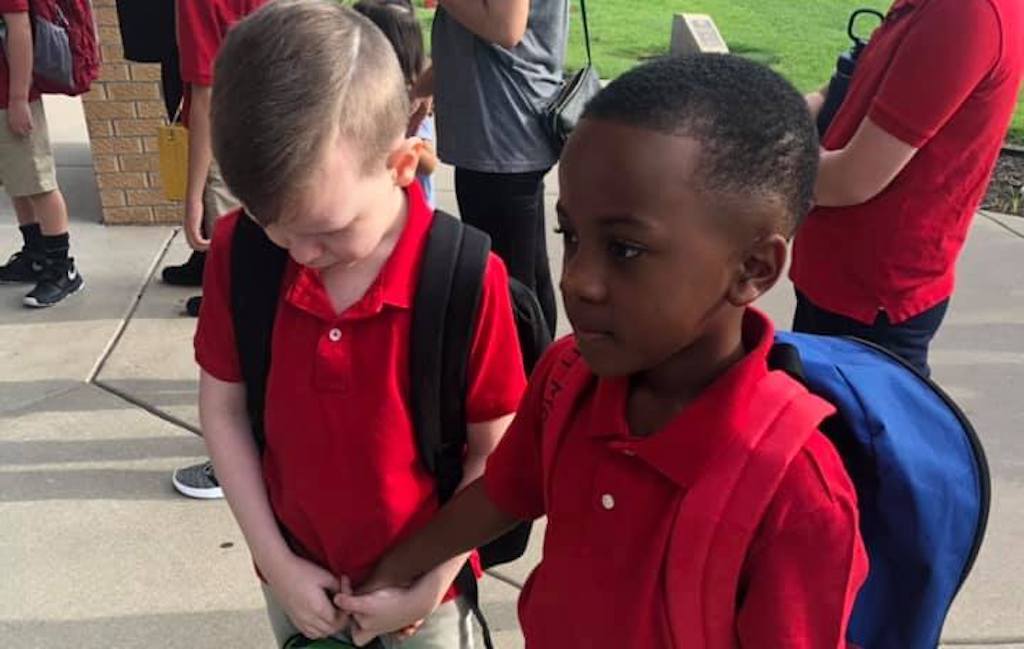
(909,339)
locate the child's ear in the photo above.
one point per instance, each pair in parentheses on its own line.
(761,267)
(405,160)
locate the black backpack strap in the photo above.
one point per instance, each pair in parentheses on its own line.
(257,268)
(444,321)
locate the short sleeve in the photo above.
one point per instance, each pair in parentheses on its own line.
(215,347)
(199,38)
(807,562)
(13,6)
(951,48)
(496,375)
(514,478)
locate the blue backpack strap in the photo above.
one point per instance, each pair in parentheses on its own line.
(257,269)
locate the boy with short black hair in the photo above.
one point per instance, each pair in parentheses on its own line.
(315,147)
(651,439)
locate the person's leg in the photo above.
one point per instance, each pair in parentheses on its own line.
(509,207)
(26,265)
(282,627)
(544,281)
(911,339)
(33,182)
(448,627)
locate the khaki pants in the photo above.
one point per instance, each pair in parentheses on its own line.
(217,198)
(26,163)
(448,627)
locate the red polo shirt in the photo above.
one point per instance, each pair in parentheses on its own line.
(612,501)
(942,76)
(11,7)
(202,27)
(341,465)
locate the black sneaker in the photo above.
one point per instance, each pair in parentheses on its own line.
(197,481)
(193,305)
(59,280)
(188,274)
(24,267)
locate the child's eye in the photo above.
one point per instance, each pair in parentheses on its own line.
(626,251)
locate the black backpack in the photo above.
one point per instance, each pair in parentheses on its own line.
(444,321)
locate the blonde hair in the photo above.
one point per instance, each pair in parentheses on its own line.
(291,77)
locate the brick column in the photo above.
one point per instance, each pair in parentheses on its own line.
(122,112)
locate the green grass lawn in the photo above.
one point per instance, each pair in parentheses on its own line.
(800,39)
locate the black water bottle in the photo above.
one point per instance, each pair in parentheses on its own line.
(846,64)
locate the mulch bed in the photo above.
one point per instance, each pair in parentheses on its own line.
(1005,193)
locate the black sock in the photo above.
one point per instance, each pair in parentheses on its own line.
(32,235)
(56,246)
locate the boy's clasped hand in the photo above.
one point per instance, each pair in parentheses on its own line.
(321,606)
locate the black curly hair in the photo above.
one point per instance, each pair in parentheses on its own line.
(758,142)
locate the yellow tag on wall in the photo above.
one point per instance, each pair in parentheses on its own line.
(173,144)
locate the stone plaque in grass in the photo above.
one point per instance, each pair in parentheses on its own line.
(696,33)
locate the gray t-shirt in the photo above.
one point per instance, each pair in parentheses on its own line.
(489,100)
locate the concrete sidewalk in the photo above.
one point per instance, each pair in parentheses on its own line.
(96,396)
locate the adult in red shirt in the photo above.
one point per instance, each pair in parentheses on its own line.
(202,27)
(27,172)
(906,164)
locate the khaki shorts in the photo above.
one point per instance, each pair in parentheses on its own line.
(448,627)
(26,163)
(217,199)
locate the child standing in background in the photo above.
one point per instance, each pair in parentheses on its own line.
(397,19)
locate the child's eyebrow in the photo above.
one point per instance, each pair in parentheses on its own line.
(627,220)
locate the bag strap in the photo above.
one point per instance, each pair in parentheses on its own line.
(734,492)
(586,30)
(257,269)
(444,320)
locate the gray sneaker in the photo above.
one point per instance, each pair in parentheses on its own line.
(198,481)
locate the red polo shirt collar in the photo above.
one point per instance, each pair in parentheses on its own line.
(706,427)
(395,286)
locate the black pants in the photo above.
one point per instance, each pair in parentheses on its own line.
(510,208)
(909,339)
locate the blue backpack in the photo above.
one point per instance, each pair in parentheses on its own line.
(921,477)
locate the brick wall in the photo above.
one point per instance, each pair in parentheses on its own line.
(122,112)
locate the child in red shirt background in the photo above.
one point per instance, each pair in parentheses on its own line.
(202,27)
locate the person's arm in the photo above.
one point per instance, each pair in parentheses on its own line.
(862,169)
(200,156)
(816,101)
(939,65)
(19,64)
(300,586)
(496,21)
(387,608)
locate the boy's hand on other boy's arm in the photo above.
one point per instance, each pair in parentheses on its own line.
(391,610)
(303,589)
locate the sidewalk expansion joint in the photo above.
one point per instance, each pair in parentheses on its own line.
(1015,232)
(93,377)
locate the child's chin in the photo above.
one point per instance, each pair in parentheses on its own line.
(603,363)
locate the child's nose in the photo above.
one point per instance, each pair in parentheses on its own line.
(305,252)
(582,280)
